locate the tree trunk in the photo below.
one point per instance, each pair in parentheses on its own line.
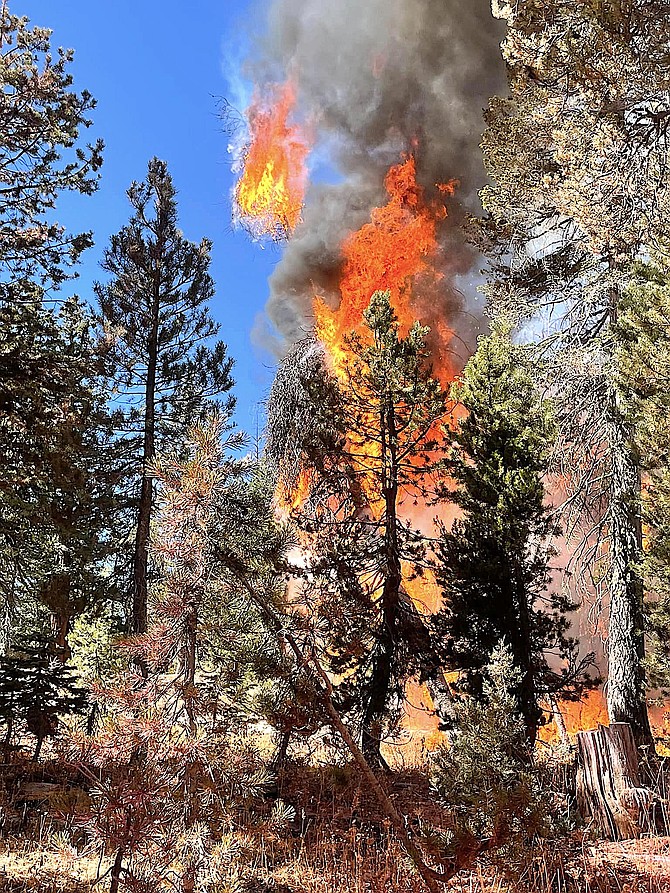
(559,719)
(279,758)
(522,644)
(141,554)
(608,783)
(379,686)
(626,701)
(431,672)
(190,660)
(116,870)
(38,748)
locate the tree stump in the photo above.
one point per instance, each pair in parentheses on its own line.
(609,791)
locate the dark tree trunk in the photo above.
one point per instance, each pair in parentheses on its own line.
(523,649)
(431,673)
(61,625)
(8,736)
(141,554)
(279,759)
(379,686)
(38,748)
(626,701)
(116,870)
(190,660)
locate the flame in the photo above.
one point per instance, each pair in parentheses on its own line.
(393,252)
(269,195)
(289,499)
(579,716)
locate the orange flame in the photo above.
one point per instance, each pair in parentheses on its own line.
(393,252)
(270,193)
(290,499)
(578,716)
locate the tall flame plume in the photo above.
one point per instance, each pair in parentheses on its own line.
(396,251)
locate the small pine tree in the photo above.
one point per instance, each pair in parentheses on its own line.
(485,776)
(38,689)
(493,563)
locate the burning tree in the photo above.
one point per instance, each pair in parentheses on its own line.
(369,456)
(269,194)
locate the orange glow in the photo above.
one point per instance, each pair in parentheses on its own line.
(270,193)
(580,716)
(424,592)
(397,249)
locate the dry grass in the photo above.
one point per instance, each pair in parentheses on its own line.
(358,863)
(339,842)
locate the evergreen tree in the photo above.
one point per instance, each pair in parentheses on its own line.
(577,160)
(370,455)
(643,368)
(37,689)
(493,563)
(57,493)
(485,777)
(54,490)
(165,365)
(174,767)
(40,158)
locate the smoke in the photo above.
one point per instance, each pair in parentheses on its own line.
(376,79)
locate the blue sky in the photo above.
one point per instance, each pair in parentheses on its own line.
(156,68)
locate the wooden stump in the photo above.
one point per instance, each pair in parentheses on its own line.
(609,791)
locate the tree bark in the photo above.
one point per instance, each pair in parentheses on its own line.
(116,870)
(141,553)
(626,702)
(608,783)
(381,677)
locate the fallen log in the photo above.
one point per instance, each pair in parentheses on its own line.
(609,791)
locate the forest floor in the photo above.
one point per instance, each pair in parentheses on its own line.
(339,842)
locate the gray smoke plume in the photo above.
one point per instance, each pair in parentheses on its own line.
(379,77)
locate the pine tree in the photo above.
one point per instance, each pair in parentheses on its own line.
(643,369)
(40,158)
(54,489)
(486,777)
(577,160)
(166,761)
(493,563)
(370,455)
(36,688)
(57,498)
(165,364)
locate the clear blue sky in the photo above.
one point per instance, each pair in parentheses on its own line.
(156,68)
